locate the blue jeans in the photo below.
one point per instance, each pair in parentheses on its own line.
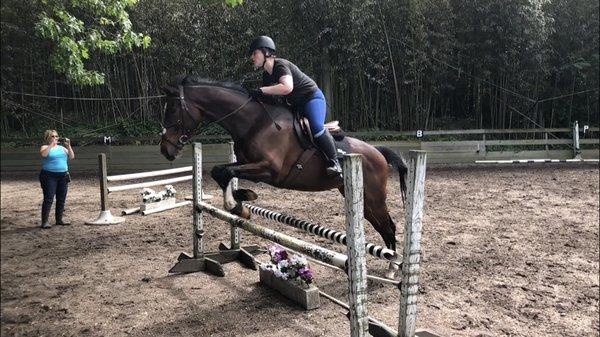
(315,110)
(53,184)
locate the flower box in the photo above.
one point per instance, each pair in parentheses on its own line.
(157,204)
(307,297)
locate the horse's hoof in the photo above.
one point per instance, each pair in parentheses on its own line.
(393,268)
(241,211)
(244,195)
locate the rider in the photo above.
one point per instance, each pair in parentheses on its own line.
(282,77)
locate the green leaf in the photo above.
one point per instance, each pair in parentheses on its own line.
(234,3)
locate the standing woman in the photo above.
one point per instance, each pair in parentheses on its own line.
(282,77)
(54,176)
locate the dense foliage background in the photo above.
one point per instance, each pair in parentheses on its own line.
(384,65)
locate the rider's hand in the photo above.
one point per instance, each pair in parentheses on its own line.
(256,93)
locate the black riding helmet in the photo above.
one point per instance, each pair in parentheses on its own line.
(262,42)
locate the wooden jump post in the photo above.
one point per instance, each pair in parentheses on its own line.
(354,263)
(105,217)
(409,287)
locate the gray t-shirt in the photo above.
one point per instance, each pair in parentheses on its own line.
(304,86)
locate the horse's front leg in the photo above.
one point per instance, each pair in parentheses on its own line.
(223,174)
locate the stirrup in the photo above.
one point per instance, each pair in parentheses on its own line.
(334,169)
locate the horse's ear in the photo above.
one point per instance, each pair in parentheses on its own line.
(170,90)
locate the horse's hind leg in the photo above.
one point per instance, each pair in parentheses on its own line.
(377,214)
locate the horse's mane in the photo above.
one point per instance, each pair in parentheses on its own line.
(191,80)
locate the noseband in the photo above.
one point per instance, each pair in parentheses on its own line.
(187,134)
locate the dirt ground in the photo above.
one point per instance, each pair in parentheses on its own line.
(507,251)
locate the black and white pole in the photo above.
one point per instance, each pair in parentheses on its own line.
(377,251)
(235,232)
(409,288)
(195,262)
(198,260)
(357,265)
(198,226)
(576,149)
(317,252)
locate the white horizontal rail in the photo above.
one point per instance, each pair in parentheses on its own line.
(130,211)
(139,175)
(149,184)
(525,161)
(165,208)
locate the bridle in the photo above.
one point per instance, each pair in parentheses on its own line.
(187,134)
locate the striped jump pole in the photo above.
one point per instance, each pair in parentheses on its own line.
(312,250)
(200,260)
(380,252)
(235,234)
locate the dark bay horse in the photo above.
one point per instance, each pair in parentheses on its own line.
(266,148)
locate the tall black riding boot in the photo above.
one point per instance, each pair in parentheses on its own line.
(60,209)
(325,143)
(59,220)
(62,188)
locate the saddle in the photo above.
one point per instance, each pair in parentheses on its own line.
(306,140)
(305,136)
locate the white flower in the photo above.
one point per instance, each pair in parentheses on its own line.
(280,275)
(283,264)
(297,260)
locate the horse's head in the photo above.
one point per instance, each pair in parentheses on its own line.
(191,101)
(182,118)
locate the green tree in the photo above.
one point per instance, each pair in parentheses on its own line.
(80,27)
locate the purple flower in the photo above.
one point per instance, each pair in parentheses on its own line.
(306,274)
(277,253)
(279,256)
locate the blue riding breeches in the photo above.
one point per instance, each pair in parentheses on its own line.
(315,110)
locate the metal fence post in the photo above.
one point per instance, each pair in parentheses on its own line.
(576,149)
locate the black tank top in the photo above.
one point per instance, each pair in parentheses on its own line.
(304,86)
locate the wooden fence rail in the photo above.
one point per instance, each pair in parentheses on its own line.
(144,157)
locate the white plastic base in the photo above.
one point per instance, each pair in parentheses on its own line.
(106,218)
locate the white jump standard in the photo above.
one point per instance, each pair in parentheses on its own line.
(105,217)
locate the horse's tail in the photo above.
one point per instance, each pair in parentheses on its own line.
(398,162)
